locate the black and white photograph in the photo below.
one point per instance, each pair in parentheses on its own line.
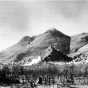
(43,43)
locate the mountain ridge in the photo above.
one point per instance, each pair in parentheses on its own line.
(38,46)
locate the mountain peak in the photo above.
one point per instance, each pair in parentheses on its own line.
(52,30)
(37,45)
(55,32)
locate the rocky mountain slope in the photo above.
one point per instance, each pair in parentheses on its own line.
(36,46)
(79,48)
(28,49)
(78,41)
(11,52)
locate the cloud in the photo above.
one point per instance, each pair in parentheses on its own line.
(14,13)
(73,9)
(31,17)
(69,9)
(19,15)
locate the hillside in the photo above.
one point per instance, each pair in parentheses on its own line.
(78,41)
(36,46)
(79,48)
(28,49)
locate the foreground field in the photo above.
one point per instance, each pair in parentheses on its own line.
(50,86)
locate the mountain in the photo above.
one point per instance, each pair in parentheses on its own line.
(28,49)
(36,46)
(79,48)
(78,41)
(52,36)
(11,52)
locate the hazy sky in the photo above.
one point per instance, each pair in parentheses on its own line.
(29,17)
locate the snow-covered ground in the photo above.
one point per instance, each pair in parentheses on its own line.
(33,61)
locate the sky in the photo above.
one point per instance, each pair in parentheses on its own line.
(32,17)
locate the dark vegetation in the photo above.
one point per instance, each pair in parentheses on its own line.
(46,72)
(57,56)
(20,57)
